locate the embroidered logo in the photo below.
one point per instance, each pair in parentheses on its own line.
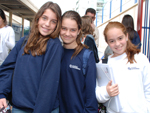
(74,67)
(132,68)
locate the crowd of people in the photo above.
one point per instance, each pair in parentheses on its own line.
(44,72)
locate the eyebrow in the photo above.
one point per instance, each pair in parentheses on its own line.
(117,37)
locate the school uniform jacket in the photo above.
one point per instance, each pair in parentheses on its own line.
(35,80)
(77,91)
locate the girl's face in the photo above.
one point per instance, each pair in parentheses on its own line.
(117,41)
(47,22)
(1,22)
(69,32)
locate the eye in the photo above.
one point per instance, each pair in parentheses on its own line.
(73,30)
(111,41)
(44,18)
(120,38)
(54,21)
(63,28)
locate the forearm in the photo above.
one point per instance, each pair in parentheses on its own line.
(101,94)
(10,42)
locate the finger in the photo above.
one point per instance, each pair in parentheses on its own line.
(115,88)
(5,104)
(110,83)
(115,94)
(115,85)
(114,91)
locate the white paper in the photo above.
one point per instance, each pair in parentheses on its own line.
(104,75)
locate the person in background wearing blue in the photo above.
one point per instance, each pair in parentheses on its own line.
(128,22)
(92,13)
(88,36)
(77,91)
(36,66)
(7,37)
(131,70)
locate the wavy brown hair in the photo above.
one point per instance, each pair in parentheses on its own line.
(86,25)
(131,49)
(37,43)
(73,15)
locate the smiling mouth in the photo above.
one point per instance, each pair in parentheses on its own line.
(45,29)
(66,37)
(119,48)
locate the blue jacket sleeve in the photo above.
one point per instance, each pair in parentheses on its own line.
(7,69)
(91,105)
(48,88)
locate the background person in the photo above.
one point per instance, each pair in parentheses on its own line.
(131,74)
(91,12)
(7,37)
(36,66)
(87,37)
(77,91)
(128,22)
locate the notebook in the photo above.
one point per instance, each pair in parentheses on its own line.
(104,75)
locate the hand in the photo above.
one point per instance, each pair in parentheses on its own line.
(112,89)
(3,103)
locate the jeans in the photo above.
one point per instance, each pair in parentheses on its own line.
(15,110)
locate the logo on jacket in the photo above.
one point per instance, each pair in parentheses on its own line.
(132,68)
(74,67)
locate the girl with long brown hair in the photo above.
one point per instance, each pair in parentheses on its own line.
(131,70)
(35,66)
(77,90)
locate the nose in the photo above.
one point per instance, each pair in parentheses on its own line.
(67,32)
(47,23)
(117,43)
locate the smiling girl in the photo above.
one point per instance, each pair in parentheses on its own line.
(131,71)
(36,66)
(77,91)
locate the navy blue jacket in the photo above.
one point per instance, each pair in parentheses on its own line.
(136,40)
(35,80)
(90,42)
(77,92)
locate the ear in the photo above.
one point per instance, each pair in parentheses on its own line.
(94,18)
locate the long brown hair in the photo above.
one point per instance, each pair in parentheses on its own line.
(75,16)
(128,22)
(131,49)
(36,42)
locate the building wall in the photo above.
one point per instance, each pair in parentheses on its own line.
(116,15)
